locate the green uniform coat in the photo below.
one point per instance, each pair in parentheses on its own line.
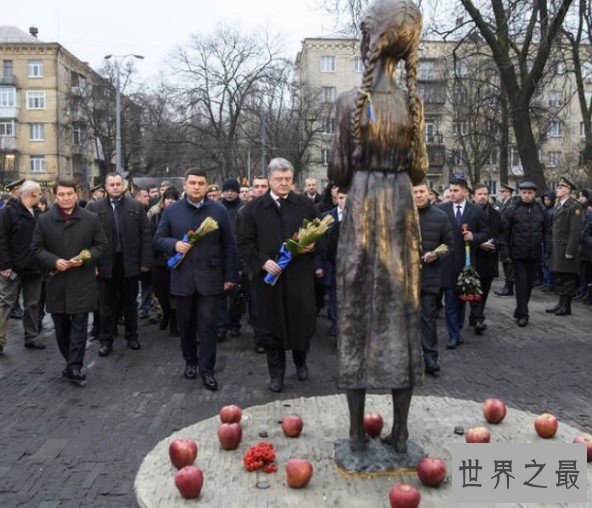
(567,225)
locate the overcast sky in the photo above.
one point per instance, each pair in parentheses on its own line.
(152,28)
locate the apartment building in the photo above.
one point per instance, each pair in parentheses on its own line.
(43,132)
(462,107)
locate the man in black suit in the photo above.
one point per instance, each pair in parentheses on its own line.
(467,217)
(130,253)
(486,256)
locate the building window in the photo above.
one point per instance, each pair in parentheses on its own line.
(458,157)
(515,158)
(7,68)
(7,128)
(7,97)
(329,93)
(79,136)
(427,70)
(587,70)
(325,156)
(359,64)
(9,162)
(37,163)
(328,126)
(582,130)
(431,131)
(553,159)
(462,69)
(36,132)
(35,68)
(460,128)
(492,127)
(559,68)
(327,64)
(555,98)
(555,129)
(492,158)
(492,186)
(35,100)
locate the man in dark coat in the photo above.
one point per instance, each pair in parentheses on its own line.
(486,256)
(19,270)
(60,236)
(506,197)
(565,255)
(210,268)
(128,232)
(525,225)
(436,244)
(463,216)
(287,313)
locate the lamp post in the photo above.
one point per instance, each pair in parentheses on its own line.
(118,61)
(248,145)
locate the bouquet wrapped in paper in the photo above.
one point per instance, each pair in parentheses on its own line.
(209,225)
(468,285)
(83,255)
(309,233)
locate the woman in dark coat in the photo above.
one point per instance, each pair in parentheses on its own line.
(379,150)
(161,277)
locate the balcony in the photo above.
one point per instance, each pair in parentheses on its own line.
(8,79)
(9,112)
(8,143)
(77,116)
(79,150)
(76,91)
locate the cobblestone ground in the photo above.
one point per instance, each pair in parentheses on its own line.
(62,445)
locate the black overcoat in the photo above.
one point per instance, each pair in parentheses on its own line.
(486,261)
(16,232)
(286,311)
(75,290)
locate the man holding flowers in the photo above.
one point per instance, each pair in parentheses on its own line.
(196,232)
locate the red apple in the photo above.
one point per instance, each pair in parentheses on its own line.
(189,481)
(431,471)
(546,425)
(230,435)
(494,410)
(585,438)
(298,473)
(292,425)
(404,495)
(477,435)
(182,452)
(231,414)
(373,424)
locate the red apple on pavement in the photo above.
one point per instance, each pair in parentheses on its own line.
(298,473)
(404,495)
(477,435)
(373,424)
(494,410)
(431,471)
(585,438)
(182,452)
(189,481)
(230,435)
(546,425)
(231,414)
(292,425)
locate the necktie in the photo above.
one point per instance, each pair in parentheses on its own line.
(116,227)
(458,216)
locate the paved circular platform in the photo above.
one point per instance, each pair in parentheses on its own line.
(228,484)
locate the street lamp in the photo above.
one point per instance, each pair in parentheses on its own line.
(118,61)
(248,145)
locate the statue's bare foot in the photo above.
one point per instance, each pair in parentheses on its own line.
(358,444)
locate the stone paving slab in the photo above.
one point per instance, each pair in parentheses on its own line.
(226,483)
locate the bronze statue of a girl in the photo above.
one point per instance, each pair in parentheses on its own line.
(378,153)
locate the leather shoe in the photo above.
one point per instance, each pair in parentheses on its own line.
(302,372)
(431,368)
(523,321)
(460,341)
(505,291)
(209,382)
(134,344)
(259,350)
(34,344)
(480,328)
(75,376)
(276,385)
(190,372)
(451,345)
(105,350)
(221,335)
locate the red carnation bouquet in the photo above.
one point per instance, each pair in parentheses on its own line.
(468,285)
(260,456)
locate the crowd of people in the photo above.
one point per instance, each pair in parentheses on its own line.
(111,257)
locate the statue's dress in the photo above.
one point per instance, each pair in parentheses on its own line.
(378,255)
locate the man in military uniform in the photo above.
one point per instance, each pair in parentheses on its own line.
(508,290)
(97,192)
(565,253)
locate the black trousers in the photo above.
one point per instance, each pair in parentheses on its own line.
(113,292)
(477,314)
(196,318)
(566,284)
(71,331)
(429,336)
(276,361)
(508,272)
(524,274)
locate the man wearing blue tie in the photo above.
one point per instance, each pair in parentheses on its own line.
(468,225)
